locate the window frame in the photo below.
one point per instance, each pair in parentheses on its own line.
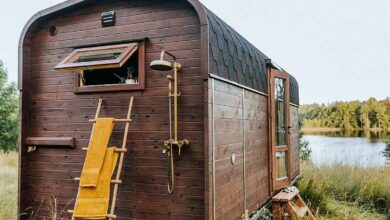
(275,182)
(79,68)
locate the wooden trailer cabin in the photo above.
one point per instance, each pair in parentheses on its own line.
(236,107)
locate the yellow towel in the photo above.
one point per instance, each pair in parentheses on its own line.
(97,148)
(91,202)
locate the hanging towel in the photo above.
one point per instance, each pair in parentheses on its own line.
(92,202)
(96,150)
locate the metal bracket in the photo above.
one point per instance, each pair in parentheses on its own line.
(173,95)
(31,149)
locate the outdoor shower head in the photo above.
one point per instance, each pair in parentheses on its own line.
(161,65)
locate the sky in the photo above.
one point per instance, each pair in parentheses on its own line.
(338,50)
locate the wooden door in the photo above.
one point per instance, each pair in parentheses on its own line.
(279,124)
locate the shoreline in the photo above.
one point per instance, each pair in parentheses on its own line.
(339,129)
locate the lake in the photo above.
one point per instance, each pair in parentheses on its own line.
(363,149)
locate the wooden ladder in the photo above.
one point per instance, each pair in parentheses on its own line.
(121,151)
(289,205)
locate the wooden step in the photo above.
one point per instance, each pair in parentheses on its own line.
(284,196)
(302,211)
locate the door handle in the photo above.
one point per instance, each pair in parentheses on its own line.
(288,129)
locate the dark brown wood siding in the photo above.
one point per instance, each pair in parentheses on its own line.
(52,109)
(240,116)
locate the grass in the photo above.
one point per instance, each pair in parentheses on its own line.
(8,192)
(346,192)
(8,185)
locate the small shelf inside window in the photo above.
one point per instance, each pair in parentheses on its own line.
(107,68)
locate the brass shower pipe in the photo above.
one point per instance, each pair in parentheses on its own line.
(163,65)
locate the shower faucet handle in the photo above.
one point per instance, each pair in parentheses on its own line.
(182,143)
(167,146)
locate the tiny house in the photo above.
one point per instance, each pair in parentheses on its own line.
(236,107)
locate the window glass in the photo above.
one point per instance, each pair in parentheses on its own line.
(280,112)
(98,56)
(281,165)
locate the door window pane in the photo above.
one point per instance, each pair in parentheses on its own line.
(281,165)
(280,112)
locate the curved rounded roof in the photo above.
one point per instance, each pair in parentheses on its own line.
(230,55)
(233,57)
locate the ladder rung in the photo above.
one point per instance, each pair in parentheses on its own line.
(116,181)
(111,216)
(112,181)
(115,120)
(119,150)
(108,215)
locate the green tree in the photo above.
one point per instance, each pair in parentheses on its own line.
(8,112)
(304,145)
(373,115)
(349,116)
(364,111)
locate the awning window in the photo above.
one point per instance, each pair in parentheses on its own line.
(103,57)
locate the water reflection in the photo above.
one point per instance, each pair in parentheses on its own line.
(352,148)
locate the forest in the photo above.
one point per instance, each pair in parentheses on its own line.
(8,112)
(371,114)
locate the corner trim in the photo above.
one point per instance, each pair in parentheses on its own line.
(236,84)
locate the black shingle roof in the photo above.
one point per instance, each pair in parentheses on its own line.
(294,91)
(232,57)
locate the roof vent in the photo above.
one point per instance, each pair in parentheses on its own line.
(108,18)
(53,30)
